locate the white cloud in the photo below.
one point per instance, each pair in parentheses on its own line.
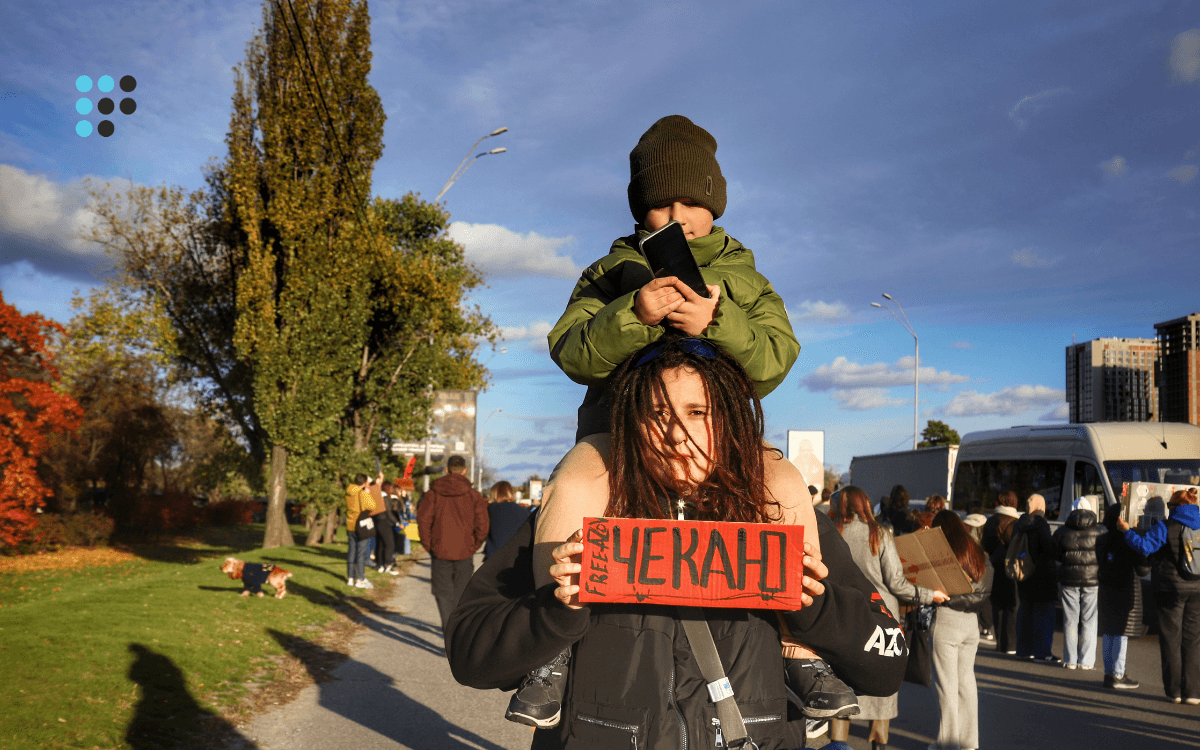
(41,211)
(1032,104)
(1015,399)
(819,312)
(1061,413)
(1184,61)
(1184,173)
(961,345)
(858,387)
(1114,167)
(498,251)
(865,399)
(535,333)
(1027,258)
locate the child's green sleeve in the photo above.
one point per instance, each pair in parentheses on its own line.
(599,330)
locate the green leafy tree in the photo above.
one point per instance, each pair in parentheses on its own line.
(305,132)
(937,434)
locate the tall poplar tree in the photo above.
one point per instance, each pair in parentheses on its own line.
(305,133)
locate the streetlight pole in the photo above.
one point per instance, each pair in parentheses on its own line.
(479,448)
(916,358)
(468,161)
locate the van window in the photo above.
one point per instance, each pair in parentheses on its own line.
(979,483)
(1087,482)
(1183,471)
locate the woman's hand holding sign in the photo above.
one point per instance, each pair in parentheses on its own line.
(814,572)
(566,568)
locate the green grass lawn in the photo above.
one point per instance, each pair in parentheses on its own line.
(144,653)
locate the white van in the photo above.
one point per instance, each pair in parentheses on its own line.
(1064,462)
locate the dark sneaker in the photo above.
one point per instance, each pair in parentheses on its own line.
(1051,659)
(818,691)
(1110,681)
(538,702)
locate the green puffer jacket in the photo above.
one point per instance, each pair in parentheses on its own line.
(599,329)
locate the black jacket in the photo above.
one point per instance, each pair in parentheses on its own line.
(1076,544)
(503,629)
(1121,569)
(1042,586)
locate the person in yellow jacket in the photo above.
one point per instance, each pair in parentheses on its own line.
(358,502)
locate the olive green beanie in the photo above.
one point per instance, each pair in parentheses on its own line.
(675,158)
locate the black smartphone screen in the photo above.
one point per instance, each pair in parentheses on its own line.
(668,254)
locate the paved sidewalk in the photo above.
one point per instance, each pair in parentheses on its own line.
(395,691)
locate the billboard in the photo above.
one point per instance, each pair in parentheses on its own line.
(806,451)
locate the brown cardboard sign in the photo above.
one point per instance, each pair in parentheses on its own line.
(692,563)
(930,563)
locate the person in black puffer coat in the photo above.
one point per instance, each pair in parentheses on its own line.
(1038,592)
(1121,569)
(1078,584)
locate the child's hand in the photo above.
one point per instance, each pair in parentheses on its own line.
(695,313)
(656,300)
(565,570)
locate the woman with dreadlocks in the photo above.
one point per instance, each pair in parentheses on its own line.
(687,441)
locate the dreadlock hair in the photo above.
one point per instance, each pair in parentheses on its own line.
(640,477)
(854,503)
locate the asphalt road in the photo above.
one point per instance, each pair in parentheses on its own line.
(396,692)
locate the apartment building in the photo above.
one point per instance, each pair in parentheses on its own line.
(1112,380)
(1178,371)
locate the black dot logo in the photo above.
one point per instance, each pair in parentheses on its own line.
(128,83)
(105,106)
(105,128)
(128,105)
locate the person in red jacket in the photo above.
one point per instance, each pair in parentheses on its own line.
(453,521)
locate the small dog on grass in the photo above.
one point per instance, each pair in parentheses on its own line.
(254,575)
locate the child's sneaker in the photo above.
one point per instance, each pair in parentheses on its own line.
(538,702)
(820,693)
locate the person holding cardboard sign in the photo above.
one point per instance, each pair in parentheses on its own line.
(874,551)
(687,437)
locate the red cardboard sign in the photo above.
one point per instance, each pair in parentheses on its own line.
(692,563)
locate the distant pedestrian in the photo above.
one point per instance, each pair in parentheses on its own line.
(1078,584)
(453,521)
(1004,589)
(935,503)
(899,514)
(1006,507)
(1121,571)
(1177,594)
(358,503)
(385,531)
(1039,592)
(956,638)
(975,522)
(505,516)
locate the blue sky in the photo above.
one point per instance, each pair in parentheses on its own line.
(1013,175)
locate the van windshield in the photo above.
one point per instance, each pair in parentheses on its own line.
(1180,471)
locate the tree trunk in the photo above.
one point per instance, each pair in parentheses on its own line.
(278,533)
(331,526)
(316,529)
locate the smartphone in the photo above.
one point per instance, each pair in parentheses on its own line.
(668,254)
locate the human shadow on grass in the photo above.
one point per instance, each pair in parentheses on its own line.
(369,698)
(166,715)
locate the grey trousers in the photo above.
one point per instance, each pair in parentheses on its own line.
(955,640)
(448,578)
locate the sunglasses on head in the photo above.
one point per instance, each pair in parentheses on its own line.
(690,345)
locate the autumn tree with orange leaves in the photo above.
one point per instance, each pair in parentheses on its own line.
(30,411)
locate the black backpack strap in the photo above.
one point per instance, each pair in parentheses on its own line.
(699,636)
